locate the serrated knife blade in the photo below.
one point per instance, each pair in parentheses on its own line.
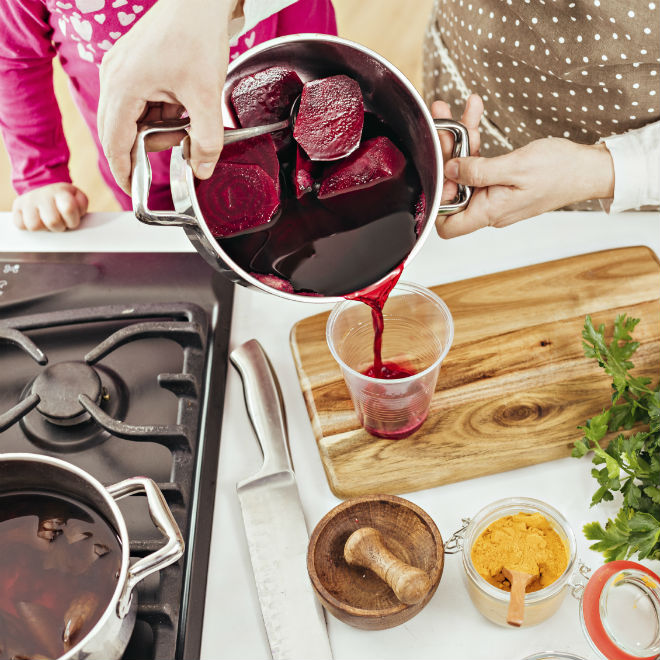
(274,522)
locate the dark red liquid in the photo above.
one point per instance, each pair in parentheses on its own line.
(59,563)
(388,371)
(338,246)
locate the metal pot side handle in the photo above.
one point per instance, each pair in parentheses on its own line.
(460,150)
(162,517)
(141,177)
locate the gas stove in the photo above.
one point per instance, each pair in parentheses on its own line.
(117,364)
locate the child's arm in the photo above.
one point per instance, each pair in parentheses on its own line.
(30,119)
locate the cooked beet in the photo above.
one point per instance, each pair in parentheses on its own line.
(371,182)
(265,97)
(330,118)
(237,198)
(303,177)
(259,150)
(274,282)
(376,160)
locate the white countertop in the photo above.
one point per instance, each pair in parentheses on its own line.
(449,627)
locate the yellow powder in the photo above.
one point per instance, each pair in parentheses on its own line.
(524,542)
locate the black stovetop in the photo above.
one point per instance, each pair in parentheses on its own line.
(144,338)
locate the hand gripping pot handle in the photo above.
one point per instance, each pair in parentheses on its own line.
(460,150)
(141,172)
(162,517)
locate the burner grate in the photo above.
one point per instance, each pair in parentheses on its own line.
(162,630)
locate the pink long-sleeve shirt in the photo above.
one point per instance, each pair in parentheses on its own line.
(80,32)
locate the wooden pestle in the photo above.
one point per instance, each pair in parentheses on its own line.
(365,548)
(519,582)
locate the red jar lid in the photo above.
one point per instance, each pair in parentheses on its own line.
(599,611)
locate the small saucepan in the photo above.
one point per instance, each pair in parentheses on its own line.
(385,90)
(34,473)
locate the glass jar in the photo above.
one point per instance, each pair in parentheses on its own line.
(619,603)
(492,602)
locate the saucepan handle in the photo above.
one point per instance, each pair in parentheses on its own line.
(141,177)
(163,519)
(461,149)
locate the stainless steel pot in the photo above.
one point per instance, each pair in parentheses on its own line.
(108,638)
(386,91)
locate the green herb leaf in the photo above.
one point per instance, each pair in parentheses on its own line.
(631,464)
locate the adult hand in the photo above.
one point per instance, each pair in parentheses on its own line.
(544,175)
(174,58)
(56,207)
(474,108)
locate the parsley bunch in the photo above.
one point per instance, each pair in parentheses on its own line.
(630,463)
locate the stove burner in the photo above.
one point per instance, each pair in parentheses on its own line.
(58,388)
(50,434)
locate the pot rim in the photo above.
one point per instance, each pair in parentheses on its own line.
(119,526)
(416,97)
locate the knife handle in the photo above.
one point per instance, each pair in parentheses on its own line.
(264,405)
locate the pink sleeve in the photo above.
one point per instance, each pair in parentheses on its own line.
(30,119)
(307,16)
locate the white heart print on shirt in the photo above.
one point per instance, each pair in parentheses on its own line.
(115,35)
(119,3)
(85,54)
(99,18)
(125,19)
(105,45)
(83,28)
(62,24)
(250,39)
(88,6)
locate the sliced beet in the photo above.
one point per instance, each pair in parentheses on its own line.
(330,118)
(265,97)
(371,182)
(274,282)
(376,160)
(303,177)
(237,198)
(258,150)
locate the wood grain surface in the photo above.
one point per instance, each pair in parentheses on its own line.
(514,385)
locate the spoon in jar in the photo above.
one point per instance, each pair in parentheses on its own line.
(519,581)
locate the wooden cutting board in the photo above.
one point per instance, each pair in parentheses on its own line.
(514,385)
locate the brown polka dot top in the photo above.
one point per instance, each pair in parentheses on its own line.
(581,70)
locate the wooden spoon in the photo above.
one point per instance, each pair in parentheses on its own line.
(365,548)
(519,582)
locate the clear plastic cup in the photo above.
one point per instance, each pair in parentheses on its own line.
(418,331)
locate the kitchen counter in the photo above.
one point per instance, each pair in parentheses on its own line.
(449,627)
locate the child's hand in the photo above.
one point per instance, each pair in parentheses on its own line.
(56,207)
(474,108)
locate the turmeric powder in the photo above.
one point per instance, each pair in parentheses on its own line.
(523,542)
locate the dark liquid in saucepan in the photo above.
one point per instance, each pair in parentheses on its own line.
(338,246)
(59,565)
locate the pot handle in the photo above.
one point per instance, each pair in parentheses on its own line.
(141,177)
(461,149)
(163,519)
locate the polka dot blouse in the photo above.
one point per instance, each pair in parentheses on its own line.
(581,70)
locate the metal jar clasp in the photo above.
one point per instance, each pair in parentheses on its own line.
(455,543)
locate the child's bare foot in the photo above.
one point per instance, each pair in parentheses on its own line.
(56,207)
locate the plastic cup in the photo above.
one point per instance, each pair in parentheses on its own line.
(418,331)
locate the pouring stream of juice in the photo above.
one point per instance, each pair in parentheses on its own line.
(376,297)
